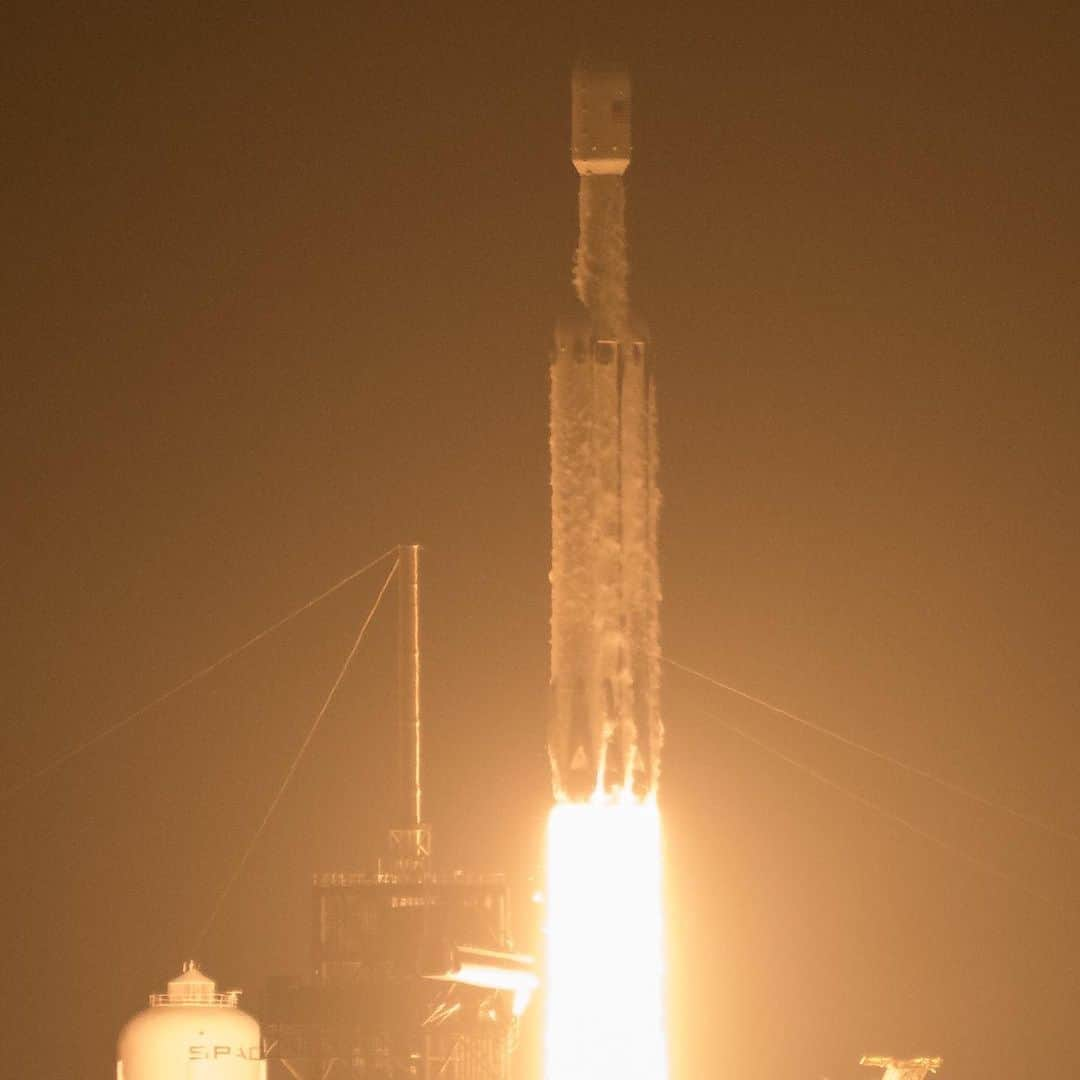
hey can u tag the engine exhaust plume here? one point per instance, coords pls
(604, 927)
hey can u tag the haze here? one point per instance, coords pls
(279, 294)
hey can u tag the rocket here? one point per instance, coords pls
(605, 729)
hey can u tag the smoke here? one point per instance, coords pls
(653, 596)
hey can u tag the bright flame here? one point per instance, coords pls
(604, 943)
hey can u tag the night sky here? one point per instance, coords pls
(279, 290)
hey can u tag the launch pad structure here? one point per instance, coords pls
(372, 1008)
(387, 995)
(897, 1069)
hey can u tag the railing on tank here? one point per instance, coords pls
(196, 997)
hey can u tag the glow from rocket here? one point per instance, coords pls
(604, 929)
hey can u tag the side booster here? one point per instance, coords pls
(605, 730)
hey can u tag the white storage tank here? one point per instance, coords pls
(191, 1032)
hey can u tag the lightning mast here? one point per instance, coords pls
(410, 838)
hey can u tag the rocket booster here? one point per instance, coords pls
(605, 729)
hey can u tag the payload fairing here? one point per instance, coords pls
(605, 730)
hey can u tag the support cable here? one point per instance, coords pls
(983, 864)
(239, 868)
(104, 733)
(923, 774)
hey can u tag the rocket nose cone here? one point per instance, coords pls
(600, 119)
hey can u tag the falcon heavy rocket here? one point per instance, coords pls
(605, 729)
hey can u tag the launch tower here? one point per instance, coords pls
(410, 974)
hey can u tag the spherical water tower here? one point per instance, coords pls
(191, 1032)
